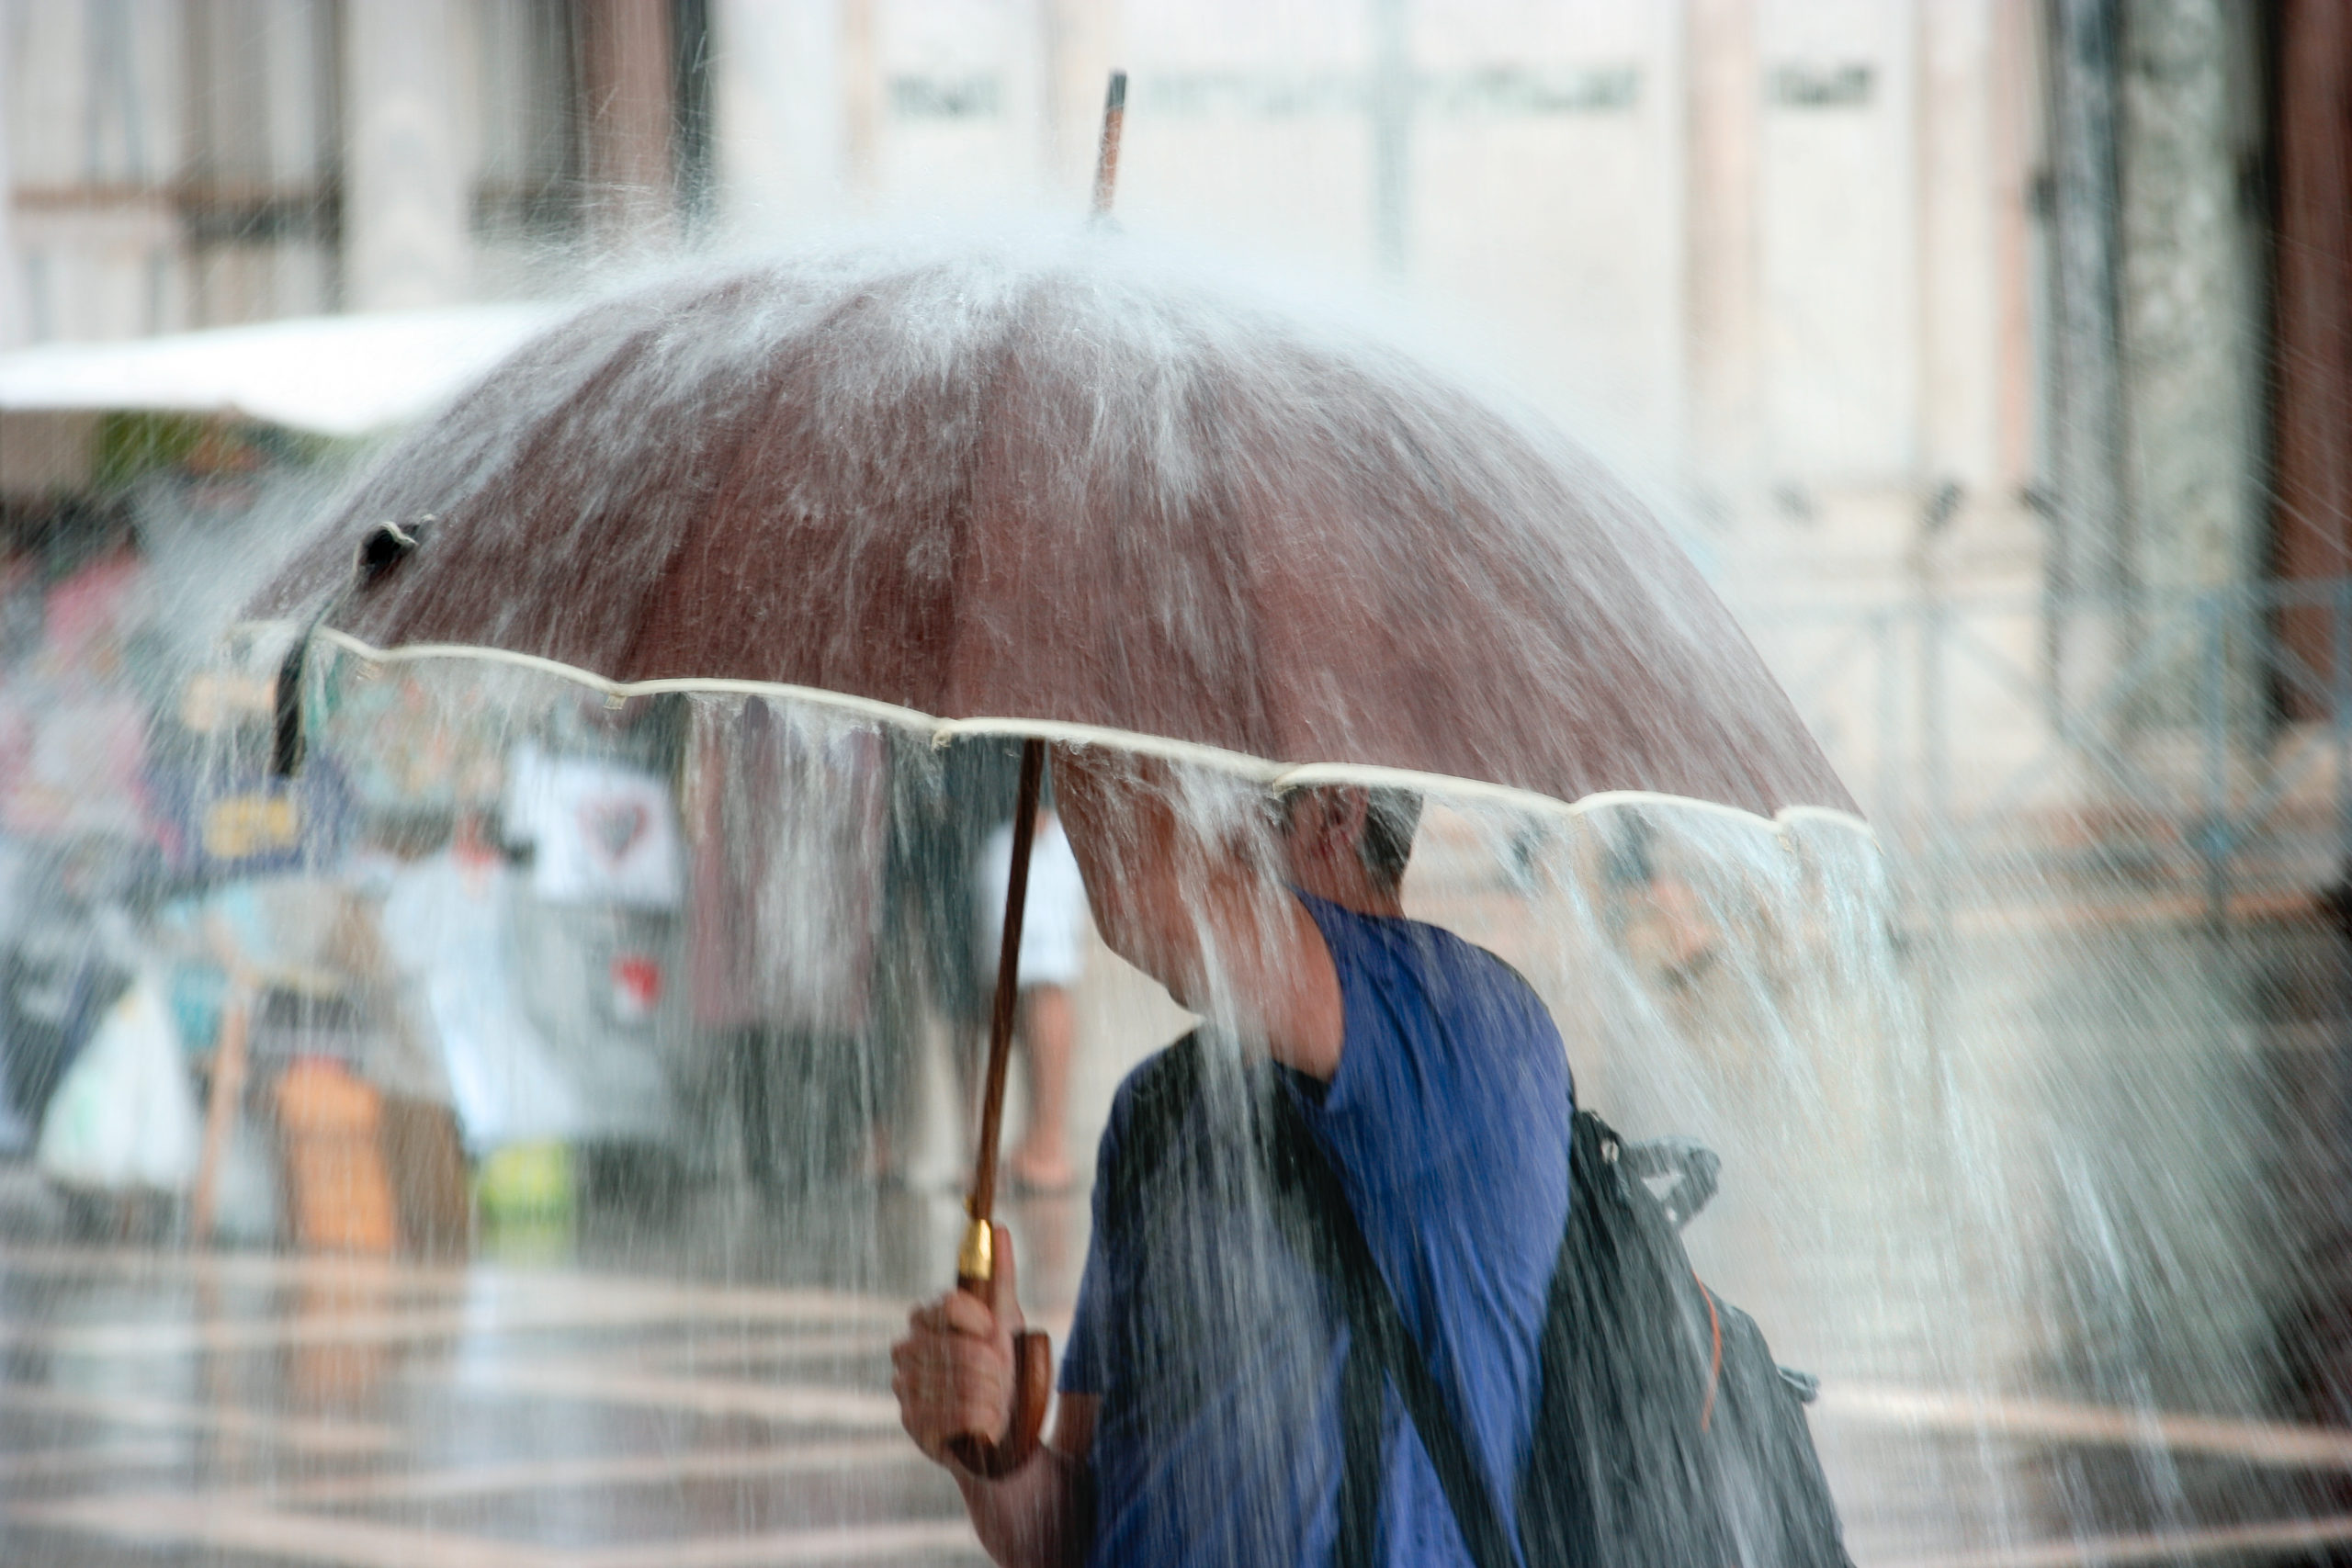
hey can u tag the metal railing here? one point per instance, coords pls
(2197, 738)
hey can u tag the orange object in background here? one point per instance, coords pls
(339, 1194)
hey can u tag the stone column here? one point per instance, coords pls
(1391, 136)
(2017, 150)
(2188, 281)
(1720, 305)
(2085, 413)
(2313, 326)
(859, 63)
(1079, 55)
(12, 319)
(777, 123)
(2155, 412)
(627, 91)
(405, 230)
(2089, 551)
(2189, 295)
(1959, 328)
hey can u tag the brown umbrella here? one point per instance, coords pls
(1064, 491)
(1050, 485)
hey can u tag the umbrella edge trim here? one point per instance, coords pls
(940, 731)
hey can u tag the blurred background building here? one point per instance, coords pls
(1977, 344)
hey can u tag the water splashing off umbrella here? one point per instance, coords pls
(1060, 491)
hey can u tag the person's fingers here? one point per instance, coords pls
(966, 1313)
(1004, 1284)
(957, 1311)
(948, 1389)
(932, 1313)
(920, 1421)
(942, 1354)
(952, 1372)
(935, 1412)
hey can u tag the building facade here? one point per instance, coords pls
(1886, 300)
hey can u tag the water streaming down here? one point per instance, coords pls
(1715, 975)
(912, 499)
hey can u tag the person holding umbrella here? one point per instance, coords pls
(1076, 497)
(1204, 1397)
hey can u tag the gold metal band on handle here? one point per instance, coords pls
(976, 1258)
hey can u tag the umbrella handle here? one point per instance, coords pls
(1033, 1360)
(972, 1262)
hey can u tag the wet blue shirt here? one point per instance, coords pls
(1448, 1122)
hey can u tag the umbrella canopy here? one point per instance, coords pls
(1067, 489)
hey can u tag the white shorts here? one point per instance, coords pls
(1052, 922)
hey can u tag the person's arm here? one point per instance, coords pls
(1209, 919)
(953, 1374)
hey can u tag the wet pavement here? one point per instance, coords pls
(162, 1408)
(2157, 1365)
(2146, 1338)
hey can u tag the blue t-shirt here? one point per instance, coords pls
(1214, 1354)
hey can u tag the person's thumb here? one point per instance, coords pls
(1004, 1284)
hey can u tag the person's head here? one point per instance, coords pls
(1349, 844)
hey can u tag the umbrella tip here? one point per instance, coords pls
(1107, 155)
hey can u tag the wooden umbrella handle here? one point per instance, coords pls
(995, 1454)
(1033, 1387)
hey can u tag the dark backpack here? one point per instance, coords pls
(1666, 1436)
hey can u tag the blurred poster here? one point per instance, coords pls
(79, 759)
(244, 823)
(600, 832)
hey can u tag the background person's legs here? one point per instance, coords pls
(1049, 1036)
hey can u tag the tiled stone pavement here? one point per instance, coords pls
(162, 1408)
(165, 1409)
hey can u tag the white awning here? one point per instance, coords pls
(329, 375)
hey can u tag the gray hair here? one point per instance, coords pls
(1388, 828)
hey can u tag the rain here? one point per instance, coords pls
(671, 674)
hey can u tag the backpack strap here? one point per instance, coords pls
(1333, 1240)
(1160, 1098)
(1315, 1214)
(1163, 1095)
(1363, 1453)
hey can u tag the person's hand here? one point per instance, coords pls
(952, 1372)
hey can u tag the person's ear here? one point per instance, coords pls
(1316, 823)
(1351, 814)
